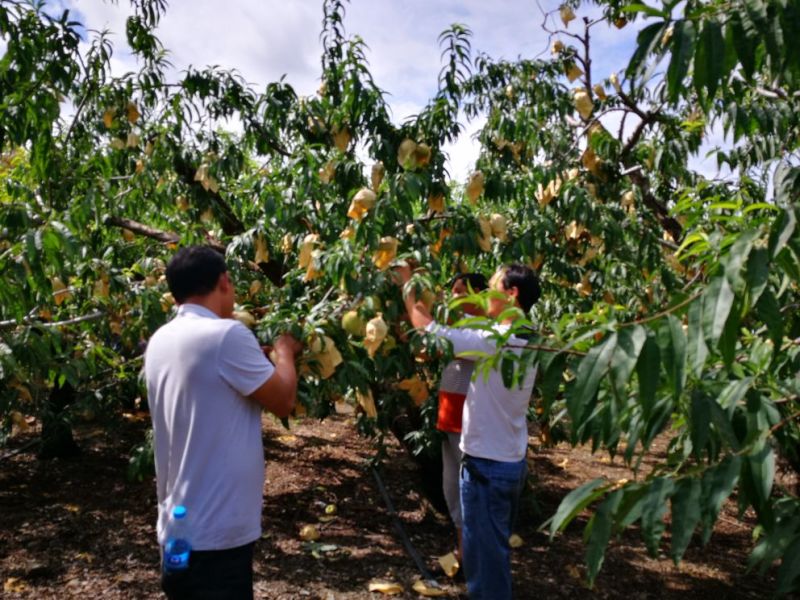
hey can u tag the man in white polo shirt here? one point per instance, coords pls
(207, 381)
(494, 434)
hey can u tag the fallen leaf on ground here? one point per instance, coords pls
(85, 556)
(14, 585)
(573, 572)
(449, 564)
(385, 587)
(343, 408)
(515, 541)
(423, 589)
(309, 533)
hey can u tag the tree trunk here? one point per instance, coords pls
(57, 439)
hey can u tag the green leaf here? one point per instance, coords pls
(682, 45)
(574, 502)
(629, 345)
(654, 508)
(769, 311)
(757, 12)
(644, 8)
(699, 422)
(722, 422)
(717, 302)
(760, 469)
(789, 573)
(697, 350)
(782, 231)
(760, 206)
(709, 59)
(672, 342)
(737, 257)
(599, 529)
(778, 538)
(630, 509)
(745, 40)
(786, 182)
(718, 483)
(730, 335)
(648, 373)
(685, 515)
(550, 381)
(757, 273)
(733, 393)
(697, 238)
(647, 41)
(591, 370)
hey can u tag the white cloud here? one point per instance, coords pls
(464, 151)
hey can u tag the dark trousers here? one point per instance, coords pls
(213, 575)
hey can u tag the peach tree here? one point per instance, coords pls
(669, 299)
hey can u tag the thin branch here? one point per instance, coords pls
(628, 101)
(784, 422)
(772, 93)
(622, 125)
(693, 280)
(587, 60)
(637, 133)
(273, 269)
(663, 313)
(231, 224)
(669, 223)
(547, 349)
(166, 237)
(74, 321)
(75, 118)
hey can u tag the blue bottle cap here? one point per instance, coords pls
(179, 512)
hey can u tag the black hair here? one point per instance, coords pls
(477, 281)
(525, 280)
(194, 271)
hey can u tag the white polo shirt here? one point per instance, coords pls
(495, 422)
(209, 456)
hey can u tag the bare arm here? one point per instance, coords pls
(418, 313)
(278, 393)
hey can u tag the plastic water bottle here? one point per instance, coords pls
(177, 548)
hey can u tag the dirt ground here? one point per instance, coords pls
(79, 529)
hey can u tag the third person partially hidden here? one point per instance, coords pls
(452, 393)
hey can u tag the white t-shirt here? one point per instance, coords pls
(456, 376)
(209, 455)
(495, 417)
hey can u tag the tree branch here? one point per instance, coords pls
(74, 321)
(668, 222)
(231, 224)
(637, 133)
(166, 237)
(272, 269)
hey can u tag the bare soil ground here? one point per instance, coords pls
(78, 529)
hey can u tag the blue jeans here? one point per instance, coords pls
(490, 492)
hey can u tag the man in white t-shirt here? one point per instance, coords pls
(207, 381)
(494, 434)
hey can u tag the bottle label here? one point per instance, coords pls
(176, 556)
